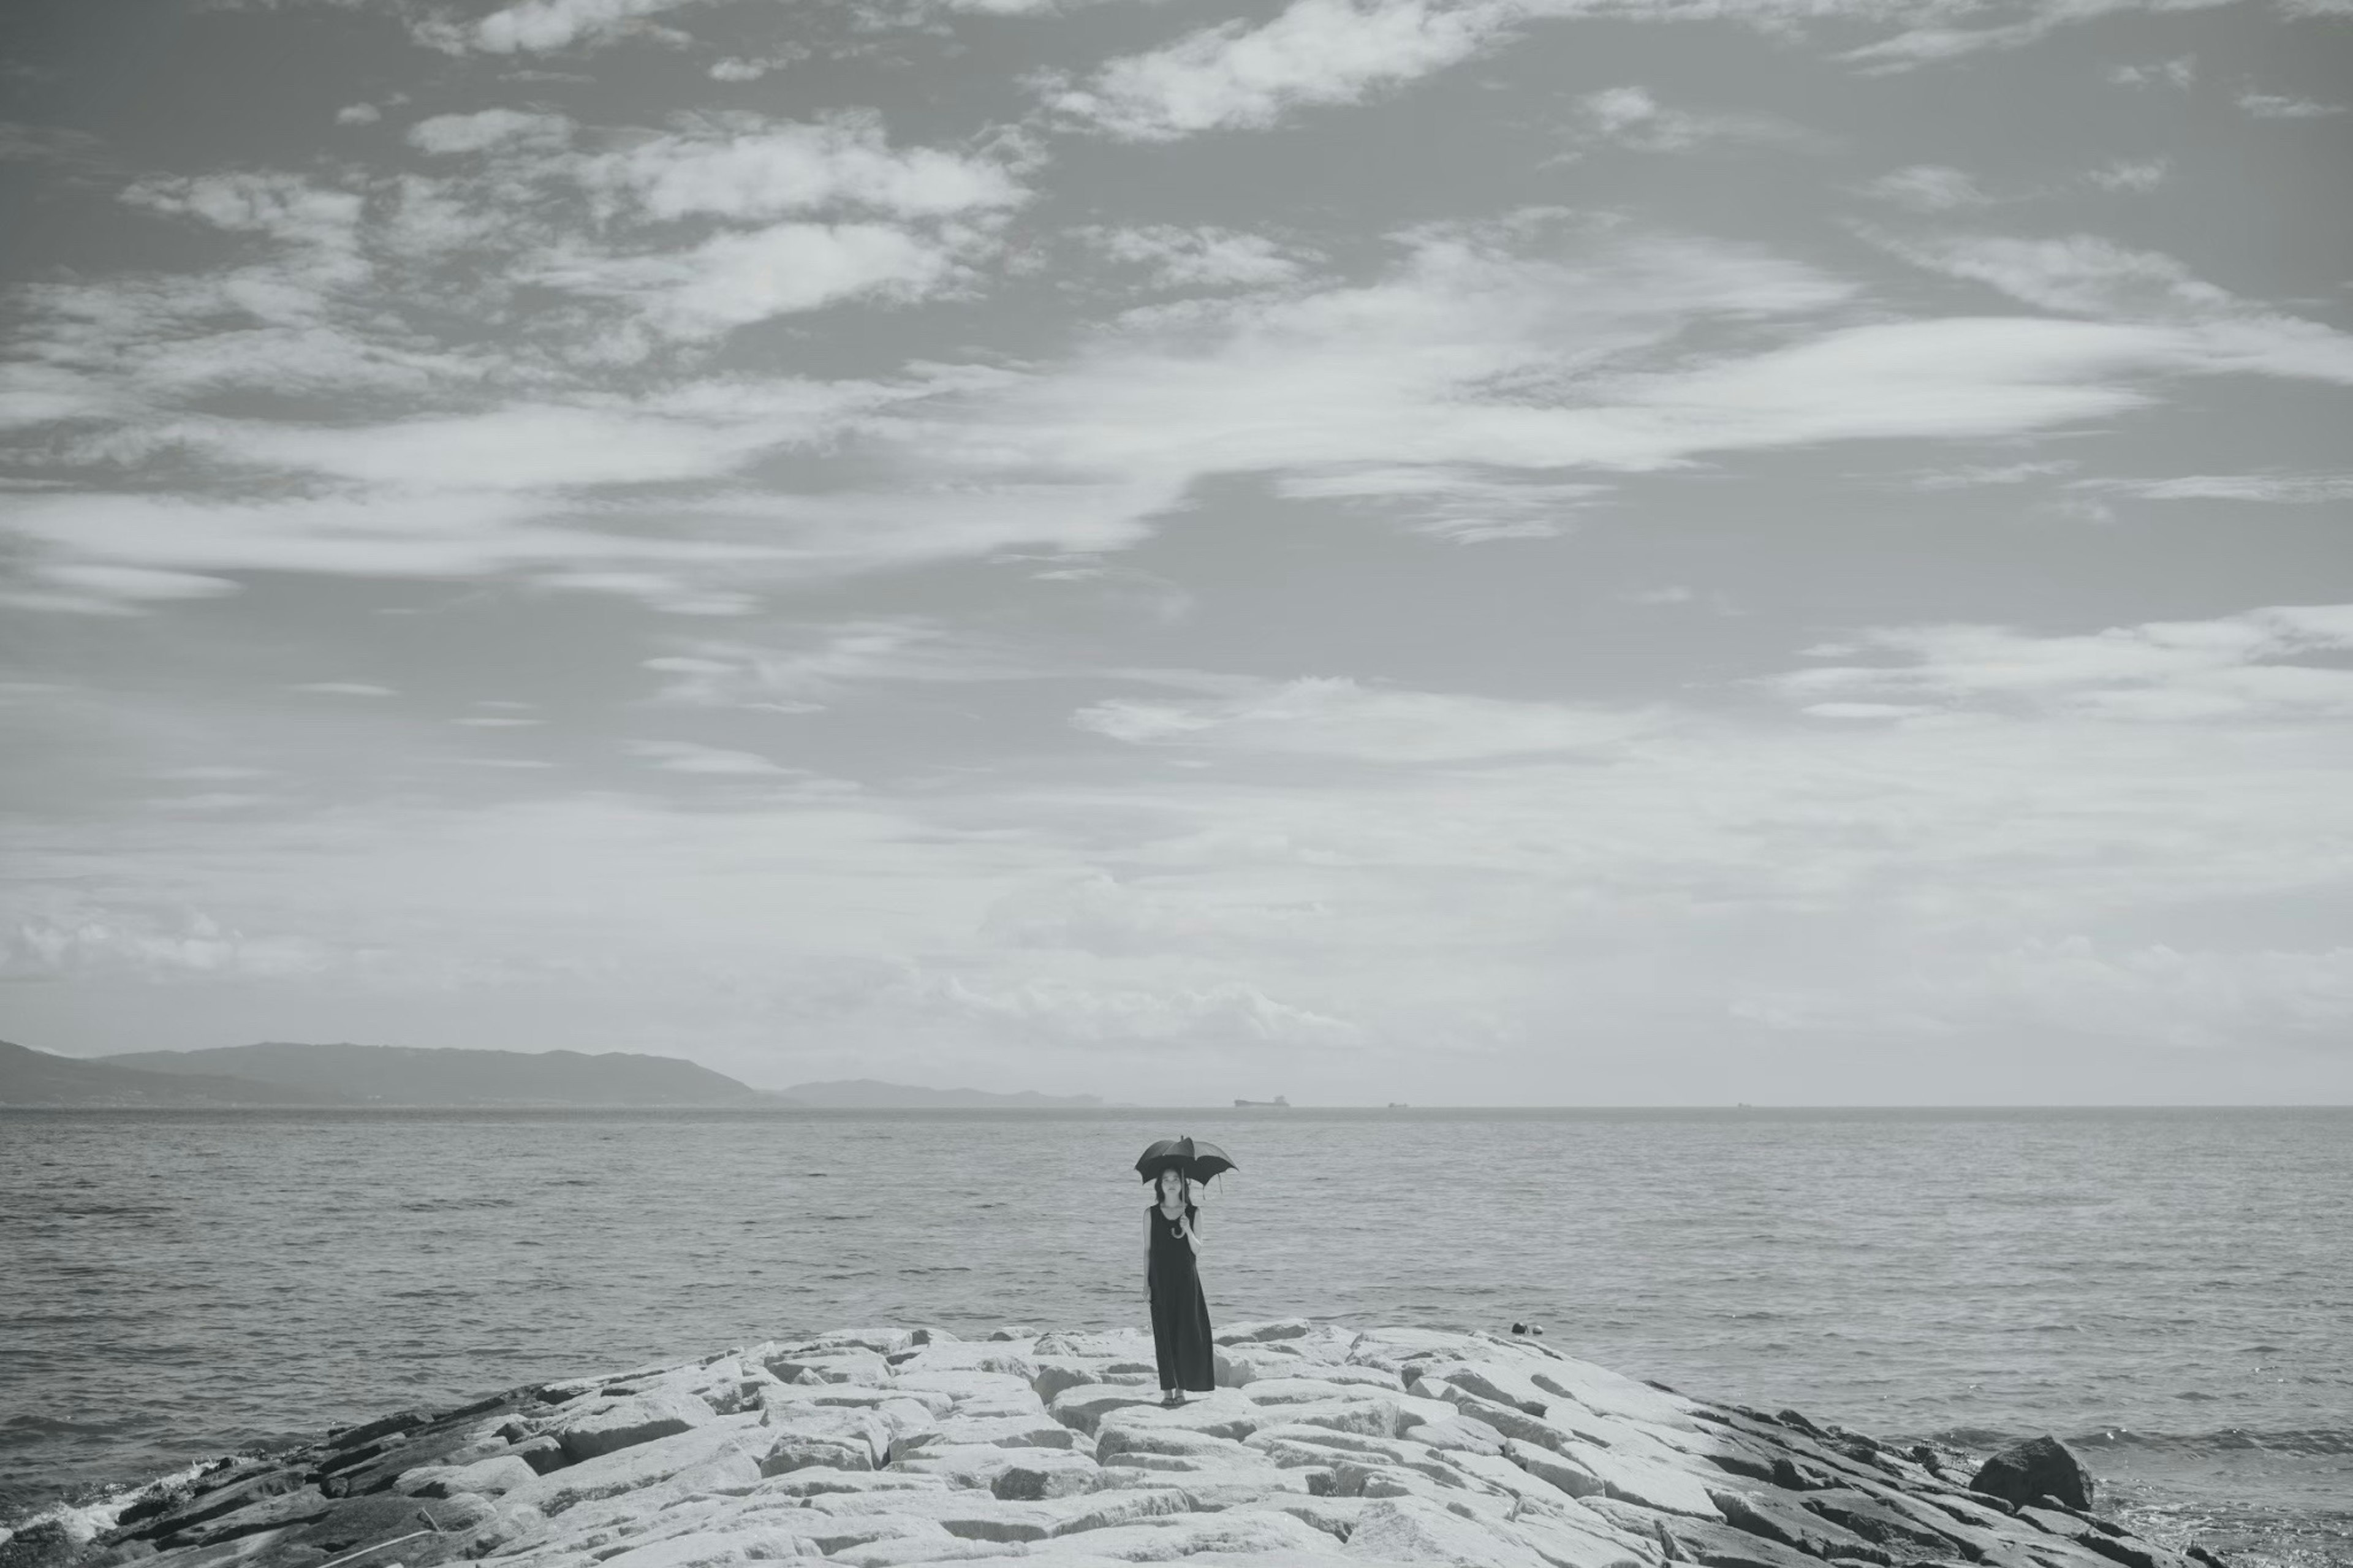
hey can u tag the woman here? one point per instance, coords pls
(1180, 1314)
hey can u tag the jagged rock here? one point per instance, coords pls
(493, 1477)
(1045, 1473)
(626, 1422)
(1883, 1521)
(1780, 1519)
(2038, 1467)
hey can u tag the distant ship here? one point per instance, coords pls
(1277, 1100)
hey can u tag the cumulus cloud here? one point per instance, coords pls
(1315, 52)
(539, 27)
(480, 131)
(2131, 174)
(766, 171)
(2180, 72)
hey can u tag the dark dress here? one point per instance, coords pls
(1180, 1314)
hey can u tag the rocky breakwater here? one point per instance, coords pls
(1323, 1447)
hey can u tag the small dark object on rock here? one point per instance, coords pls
(2199, 1554)
(1519, 1328)
(2025, 1471)
(1925, 1457)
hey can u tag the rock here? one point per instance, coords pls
(1414, 1529)
(1465, 1433)
(1083, 1408)
(2038, 1467)
(542, 1453)
(1556, 1469)
(1045, 1473)
(644, 1465)
(1780, 1519)
(1006, 1431)
(623, 1423)
(1277, 1329)
(837, 1438)
(1882, 1520)
(486, 1478)
(885, 1452)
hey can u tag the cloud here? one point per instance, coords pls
(2210, 330)
(1198, 258)
(773, 170)
(539, 27)
(1315, 52)
(446, 135)
(1337, 717)
(2291, 488)
(687, 757)
(358, 114)
(2272, 106)
(746, 68)
(1463, 504)
(822, 663)
(2179, 72)
(2250, 666)
(117, 945)
(1934, 41)
(2131, 174)
(1970, 476)
(1928, 187)
(733, 280)
(1226, 1013)
(23, 144)
(2076, 987)
(1630, 117)
(521, 446)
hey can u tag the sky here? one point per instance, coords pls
(1583, 552)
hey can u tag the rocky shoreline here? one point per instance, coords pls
(1322, 1446)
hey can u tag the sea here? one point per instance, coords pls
(2170, 1291)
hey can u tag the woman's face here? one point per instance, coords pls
(1172, 1184)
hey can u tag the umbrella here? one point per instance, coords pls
(1190, 1156)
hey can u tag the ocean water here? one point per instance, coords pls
(2171, 1291)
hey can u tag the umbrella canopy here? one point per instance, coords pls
(1190, 1156)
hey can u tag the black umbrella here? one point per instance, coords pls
(1190, 1156)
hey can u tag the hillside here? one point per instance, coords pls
(30, 1078)
(419, 1076)
(866, 1093)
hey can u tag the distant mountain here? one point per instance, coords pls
(872, 1094)
(419, 1076)
(30, 1078)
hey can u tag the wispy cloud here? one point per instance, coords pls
(1337, 717)
(1928, 187)
(2258, 664)
(2275, 106)
(2301, 490)
(1315, 52)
